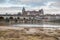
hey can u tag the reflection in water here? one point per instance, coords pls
(28, 25)
(51, 24)
(45, 24)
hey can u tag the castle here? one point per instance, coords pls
(24, 17)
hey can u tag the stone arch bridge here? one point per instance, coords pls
(19, 19)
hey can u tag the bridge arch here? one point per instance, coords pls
(18, 18)
(1, 18)
(11, 18)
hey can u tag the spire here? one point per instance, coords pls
(23, 10)
(41, 11)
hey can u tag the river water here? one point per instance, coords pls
(45, 24)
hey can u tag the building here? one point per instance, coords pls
(51, 17)
(24, 17)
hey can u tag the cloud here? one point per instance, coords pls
(56, 4)
(2, 1)
(49, 6)
(28, 2)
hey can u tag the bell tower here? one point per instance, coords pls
(23, 10)
(41, 11)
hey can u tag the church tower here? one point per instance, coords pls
(41, 11)
(23, 11)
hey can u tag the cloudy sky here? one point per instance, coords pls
(14, 6)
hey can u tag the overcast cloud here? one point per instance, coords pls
(49, 6)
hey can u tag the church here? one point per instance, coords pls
(23, 17)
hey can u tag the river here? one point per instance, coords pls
(44, 24)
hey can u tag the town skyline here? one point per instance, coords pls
(16, 10)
